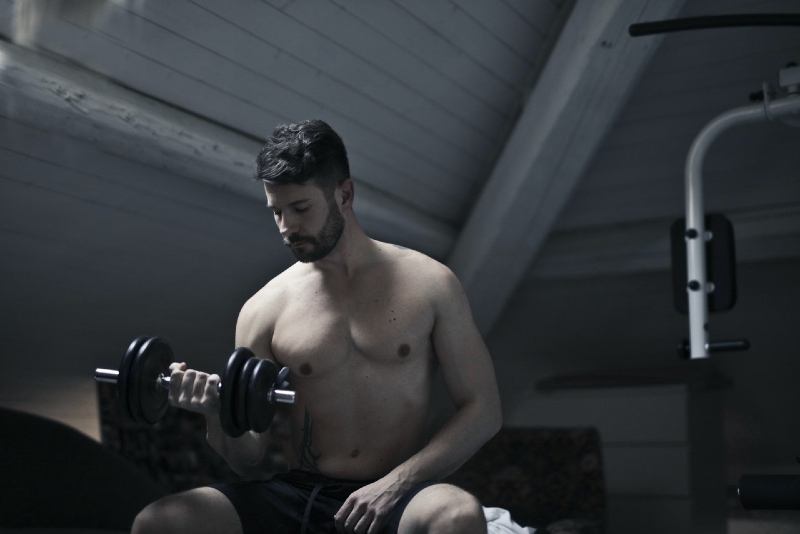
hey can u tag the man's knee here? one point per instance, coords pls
(443, 509)
(171, 514)
(147, 521)
(465, 515)
(197, 511)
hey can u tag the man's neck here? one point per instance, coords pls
(353, 250)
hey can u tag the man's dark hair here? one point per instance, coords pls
(297, 153)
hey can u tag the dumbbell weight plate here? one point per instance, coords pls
(148, 403)
(240, 407)
(124, 378)
(260, 412)
(227, 393)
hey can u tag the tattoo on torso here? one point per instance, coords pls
(308, 460)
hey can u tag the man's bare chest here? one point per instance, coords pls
(317, 333)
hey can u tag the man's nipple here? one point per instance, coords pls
(404, 350)
(305, 369)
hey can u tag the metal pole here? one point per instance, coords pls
(698, 286)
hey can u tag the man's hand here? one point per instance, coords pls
(365, 511)
(192, 390)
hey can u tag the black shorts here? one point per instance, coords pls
(300, 502)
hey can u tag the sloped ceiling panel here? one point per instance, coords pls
(618, 219)
(423, 93)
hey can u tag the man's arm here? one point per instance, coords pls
(470, 380)
(197, 391)
(469, 376)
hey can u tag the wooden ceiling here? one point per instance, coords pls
(128, 130)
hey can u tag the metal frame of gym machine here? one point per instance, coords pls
(756, 492)
(785, 109)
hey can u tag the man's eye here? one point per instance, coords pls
(301, 210)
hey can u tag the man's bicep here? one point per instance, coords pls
(253, 331)
(463, 356)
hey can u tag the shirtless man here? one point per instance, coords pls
(363, 326)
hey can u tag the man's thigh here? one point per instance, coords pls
(443, 508)
(196, 511)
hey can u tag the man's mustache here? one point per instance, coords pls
(295, 240)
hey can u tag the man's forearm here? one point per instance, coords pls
(243, 454)
(455, 443)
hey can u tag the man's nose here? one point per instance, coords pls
(288, 225)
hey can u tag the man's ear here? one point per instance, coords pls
(347, 190)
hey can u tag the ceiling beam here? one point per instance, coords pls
(588, 78)
(48, 93)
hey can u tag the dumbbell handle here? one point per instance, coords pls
(110, 376)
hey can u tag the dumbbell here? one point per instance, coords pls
(248, 392)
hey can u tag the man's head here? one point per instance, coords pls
(302, 166)
(310, 223)
(297, 153)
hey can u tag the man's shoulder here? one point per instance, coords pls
(270, 295)
(404, 256)
(421, 267)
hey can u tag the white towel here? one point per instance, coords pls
(498, 521)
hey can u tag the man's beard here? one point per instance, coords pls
(318, 246)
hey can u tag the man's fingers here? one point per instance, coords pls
(198, 391)
(364, 512)
(377, 523)
(211, 394)
(348, 515)
(360, 519)
(353, 520)
(175, 383)
(187, 387)
(212, 386)
(193, 390)
(364, 523)
(342, 515)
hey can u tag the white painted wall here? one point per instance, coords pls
(557, 326)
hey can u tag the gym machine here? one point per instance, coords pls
(703, 275)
